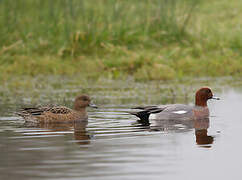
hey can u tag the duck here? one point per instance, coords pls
(179, 112)
(58, 114)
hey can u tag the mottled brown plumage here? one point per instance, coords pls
(54, 113)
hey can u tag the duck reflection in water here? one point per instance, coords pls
(201, 132)
(172, 116)
(80, 133)
(60, 118)
(200, 125)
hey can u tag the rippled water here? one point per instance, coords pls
(113, 145)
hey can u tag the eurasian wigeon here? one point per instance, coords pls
(54, 113)
(178, 111)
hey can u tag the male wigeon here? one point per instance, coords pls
(178, 111)
(54, 113)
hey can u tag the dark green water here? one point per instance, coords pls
(114, 146)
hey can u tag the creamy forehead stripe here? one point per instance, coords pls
(179, 112)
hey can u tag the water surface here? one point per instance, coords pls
(113, 145)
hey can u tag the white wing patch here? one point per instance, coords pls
(179, 112)
(152, 116)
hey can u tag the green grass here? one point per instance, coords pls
(114, 39)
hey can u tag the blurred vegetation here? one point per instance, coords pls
(114, 39)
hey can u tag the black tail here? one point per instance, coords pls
(143, 115)
(146, 111)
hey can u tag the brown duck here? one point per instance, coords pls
(58, 114)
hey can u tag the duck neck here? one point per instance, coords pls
(80, 109)
(200, 101)
(81, 113)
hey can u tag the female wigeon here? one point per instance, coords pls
(54, 113)
(178, 111)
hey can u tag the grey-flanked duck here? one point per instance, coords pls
(178, 111)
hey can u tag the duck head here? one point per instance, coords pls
(83, 101)
(203, 95)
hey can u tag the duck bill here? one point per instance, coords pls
(216, 98)
(92, 105)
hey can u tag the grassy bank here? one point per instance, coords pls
(145, 39)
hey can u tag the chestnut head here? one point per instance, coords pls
(204, 94)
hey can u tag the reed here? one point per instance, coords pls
(144, 39)
(75, 26)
